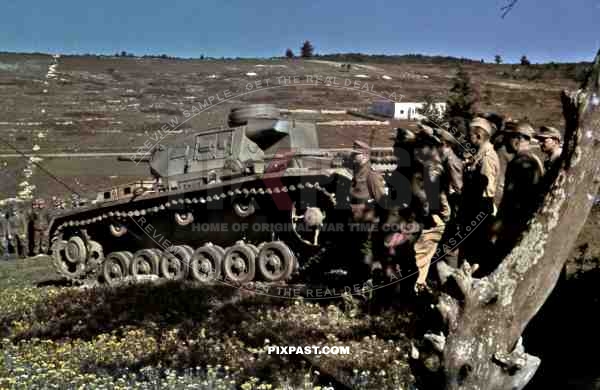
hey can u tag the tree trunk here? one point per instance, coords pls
(486, 317)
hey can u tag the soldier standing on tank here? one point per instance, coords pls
(41, 221)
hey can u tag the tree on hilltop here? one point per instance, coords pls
(307, 50)
(464, 97)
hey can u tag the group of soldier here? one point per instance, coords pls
(18, 224)
(469, 197)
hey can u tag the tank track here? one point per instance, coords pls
(81, 259)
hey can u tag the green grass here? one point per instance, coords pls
(183, 335)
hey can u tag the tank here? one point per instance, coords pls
(241, 203)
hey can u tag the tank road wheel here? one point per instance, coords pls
(238, 263)
(62, 265)
(76, 251)
(95, 255)
(145, 262)
(244, 207)
(188, 249)
(275, 261)
(254, 248)
(116, 267)
(117, 229)
(184, 219)
(206, 263)
(174, 264)
(311, 221)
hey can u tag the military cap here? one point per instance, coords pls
(522, 128)
(548, 132)
(482, 123)
(361, 147)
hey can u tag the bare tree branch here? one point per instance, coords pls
(508, 7)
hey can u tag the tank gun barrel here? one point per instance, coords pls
(136, 158)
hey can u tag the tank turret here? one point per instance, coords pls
(253, 133)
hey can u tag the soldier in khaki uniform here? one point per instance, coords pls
(550, 140)
(479, 190)
(521, 187)
(41, 221)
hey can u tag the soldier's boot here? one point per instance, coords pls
(36, 242)
(4, 248)
(42, 244)
(24, 246)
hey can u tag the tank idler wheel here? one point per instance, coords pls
(63, 266)
(184, 219)
(116, 267)
(76, 251)
(239, 263)
(206, 263)
(276, 261)
(145, 262)
(117, 230)
(174, 264)
(244, 207)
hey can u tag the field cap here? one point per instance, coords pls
(482, 123)
(548, 132)
(522, 128)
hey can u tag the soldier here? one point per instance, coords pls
(4, 230)
(550, 140)
(41, 221)
(479, 189)
(521, 187)
(451, 190)
(399, 229)
(368, 188)
(419, 225)
(452, 174)
(17, 236)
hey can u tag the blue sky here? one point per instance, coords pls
(549, 30)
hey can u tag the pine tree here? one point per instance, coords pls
(430, 111)
(289, 53)
(307, 49)
(463, 99)
(497, 59)
(525, 61)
